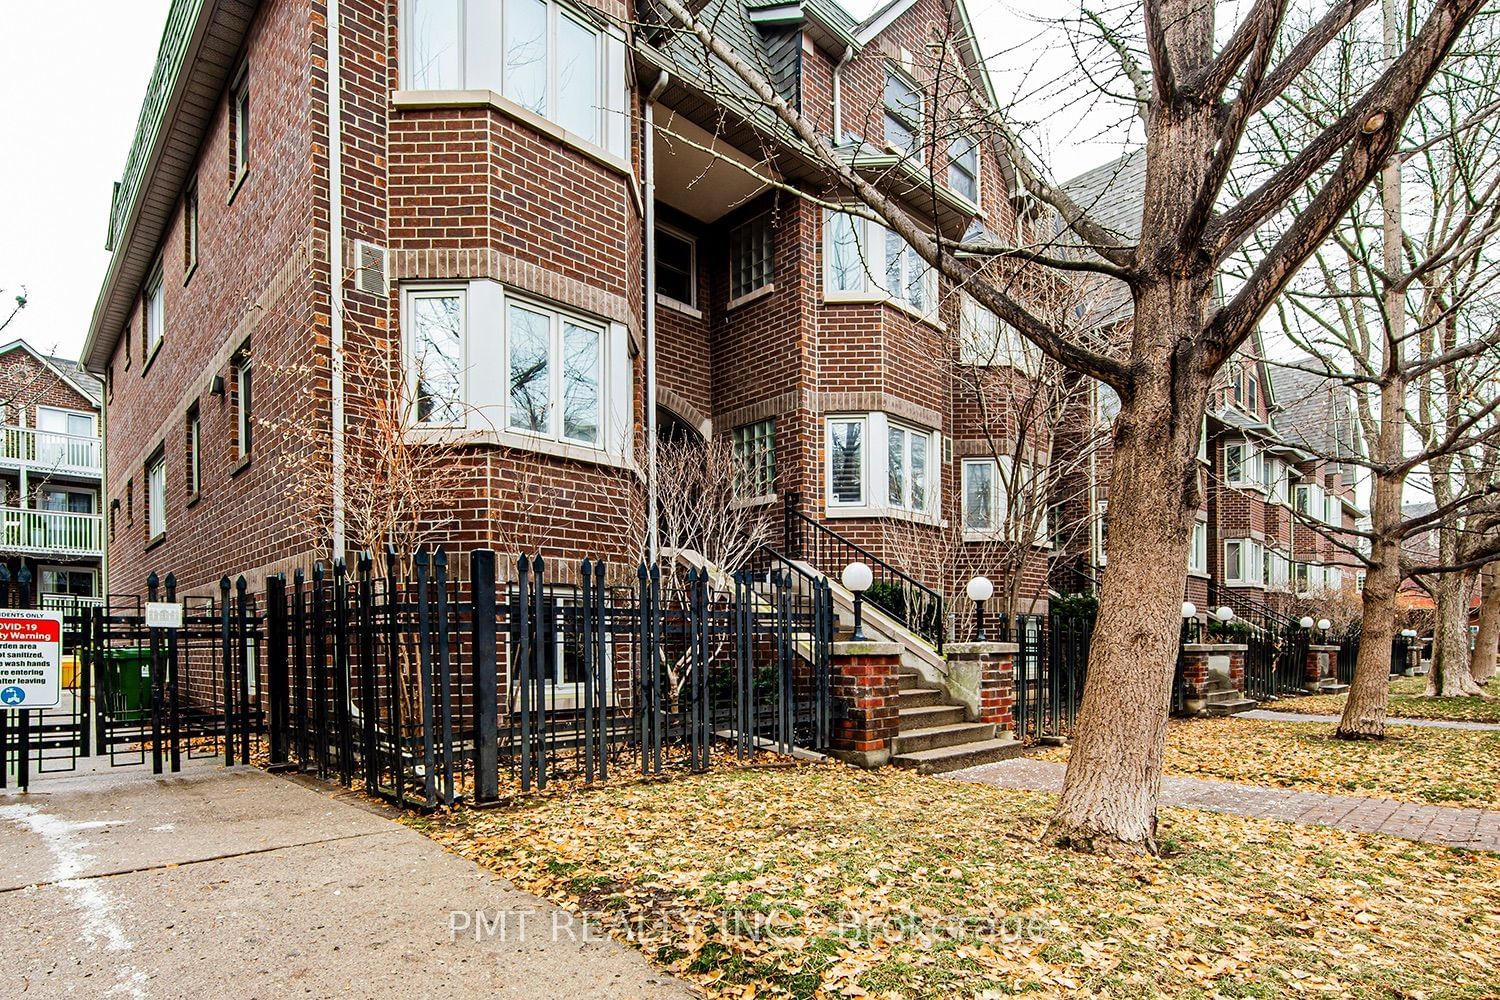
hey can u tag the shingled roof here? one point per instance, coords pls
(1315, 412)
(1112, 195)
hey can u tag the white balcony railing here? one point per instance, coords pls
(50, 451)
(69, 602)
(51, 532)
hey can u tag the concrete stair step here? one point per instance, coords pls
(927, 716)
(951, 758)
(1231, 707)
(918, 697)
(1219, 697)
(933, 737)
(1332, 687)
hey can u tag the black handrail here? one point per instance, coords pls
(915, 605)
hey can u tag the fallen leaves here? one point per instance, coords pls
(1408, 702)
(823, 881)
(1416, 764)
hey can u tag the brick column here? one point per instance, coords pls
(866, 701)
(1322, 664)
(982, 676)
(1195, 675)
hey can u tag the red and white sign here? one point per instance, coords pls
(30, 659)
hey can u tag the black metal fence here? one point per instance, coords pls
(1276, 653)
(428, 688)
(1050, 669)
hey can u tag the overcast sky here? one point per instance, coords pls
(73, 74)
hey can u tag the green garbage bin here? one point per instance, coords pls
(125, 678)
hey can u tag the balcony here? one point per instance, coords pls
(51, 533)
(50, 452)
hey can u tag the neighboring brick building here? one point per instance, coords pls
(486, 207)
(50, 466)
(1278, 505)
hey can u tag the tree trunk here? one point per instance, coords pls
(1450, 676)
(1487, 643)
(1109, 796)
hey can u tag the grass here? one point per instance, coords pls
(825, 881)
(1408, 702)
(1450, 767)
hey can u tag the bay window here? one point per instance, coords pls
(1242, 464)
(846, 461)
(1244, 562)
(907, 469)
(880, 466)
(547, 58)
(986, 339)
(480, 358)
(991, 486)
(979, 496)
(863, 260)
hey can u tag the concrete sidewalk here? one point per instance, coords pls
(236, 883)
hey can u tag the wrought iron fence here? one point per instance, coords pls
(1051, 667)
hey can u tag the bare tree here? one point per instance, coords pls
(20, 303)
(705, 503)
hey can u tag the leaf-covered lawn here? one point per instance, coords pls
(1438, 766)
(825, 881)
(1407, 702)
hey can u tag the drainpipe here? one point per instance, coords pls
(838, 95)
(335, 274)
(653, 540)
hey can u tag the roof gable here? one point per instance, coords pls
(66, 370)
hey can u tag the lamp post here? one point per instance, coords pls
(1323, 626)
(1306, 622)
(857, 579)
(1189, 614)
(980, 590)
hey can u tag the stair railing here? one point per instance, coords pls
(920, 609)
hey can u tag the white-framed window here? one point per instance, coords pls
(437, 354)
(1333, 510)
(555, 365)
(534, 374)
(1246, 388)
(908, 468)
(1277, 572)
(862, 259)
(156, 496)
(755, 450)
(676, 265)
(981, 497)
(752, 256)
(240, 122)
(1275, 477)
(1101, 532)
(1106, 402)
(194, 450)
(1202, 439)
(71, 581)
(963, 168)
(244, 402)
(1244, 562)
(999, 496)
(155, 313)
(1198, 552)
(546, 57)
(903, 112)
(1333, 577)
(986, 339)
(846, 461)
(1242, 464)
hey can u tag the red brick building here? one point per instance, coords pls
(50, 466)
(550, 214)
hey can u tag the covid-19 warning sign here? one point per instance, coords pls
(30, 659)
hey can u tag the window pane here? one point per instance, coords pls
(578, 78)
(893, 260)
(526, 53)
(846, 269)
(674, 267)
(916, 276)
(846, 460)
(903, 111)
(158, 498)
(919, 471)
(530, 369)
(979, 492)
(431, 51)
(437, 355)
(896, 467)
(750, 253)
(1232, 561)
(581, 356)
(963, 168)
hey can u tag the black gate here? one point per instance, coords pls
(1050, 669)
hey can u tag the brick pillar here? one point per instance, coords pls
(982, 676)
(866, 701)
(1195, 675)
(1322, 664)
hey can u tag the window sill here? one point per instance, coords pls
(749, 297)
(423, 100)
(880, 298)
(883, 513)
(239, 182)
(676, 306)
(188, 274)
(240, 466)
(762, 500)
(488, 437)
(976, 537)
(1199, 574)
(193, 499)
(155, 540)
(150, 358)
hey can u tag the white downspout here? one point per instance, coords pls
(335, 273)
(838, 95)
(648, 154)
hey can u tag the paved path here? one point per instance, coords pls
(1271, 715)
(1477, 829)
(237, 883)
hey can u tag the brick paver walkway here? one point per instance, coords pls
(1271, 715)
(1477, 829)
